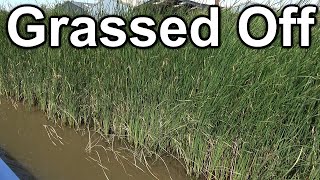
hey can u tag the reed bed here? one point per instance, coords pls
(227, 113)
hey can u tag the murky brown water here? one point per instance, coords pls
(29, 138)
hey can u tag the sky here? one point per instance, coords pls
(225, 3)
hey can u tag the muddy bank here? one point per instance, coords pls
(46, 151)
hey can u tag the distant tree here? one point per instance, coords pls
(68, 8)
(3, 11)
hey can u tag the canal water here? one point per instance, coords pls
(51, 152)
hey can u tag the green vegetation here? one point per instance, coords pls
(227, 113)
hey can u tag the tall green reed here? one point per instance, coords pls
(228, 113)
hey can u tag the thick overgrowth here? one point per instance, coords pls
(229, 113)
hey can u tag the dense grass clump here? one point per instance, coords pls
(228, 113)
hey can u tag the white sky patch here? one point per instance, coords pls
(230, 3)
